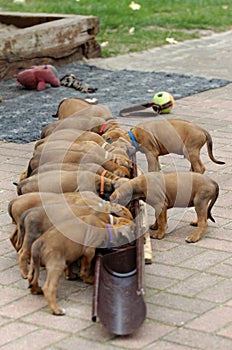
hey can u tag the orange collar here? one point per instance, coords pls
(102, 182)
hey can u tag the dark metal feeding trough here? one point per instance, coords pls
(118, 297)
(28, 39)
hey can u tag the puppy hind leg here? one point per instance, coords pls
(23, 258)
(86, 265)
(196, 164)
(54, 272)
(34, 271)
(161, 223)
(201, 210)
(14, 237)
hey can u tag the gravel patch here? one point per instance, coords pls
(23, 112)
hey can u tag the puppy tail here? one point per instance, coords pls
(21, 231)
(210, 149)
(33, 274)
(9, 208)
(213, 200)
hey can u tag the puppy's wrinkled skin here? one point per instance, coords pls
(165, 191)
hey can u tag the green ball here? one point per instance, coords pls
(163, 97)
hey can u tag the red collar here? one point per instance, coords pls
(101, 132)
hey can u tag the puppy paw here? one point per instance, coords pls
(193, 223)
(23, 274)
(89, 280)
(35, 290)
(157, 235)
(153, 227)
(59, 312)
(192, 239)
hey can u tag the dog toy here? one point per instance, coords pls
(165, 100)
(37, 77)
(162, 103)
(70, 80)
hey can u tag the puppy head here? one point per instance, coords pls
(123, 161)
(113, 134)
(124, 232)
(122, 172)
(120, 211)
(123, 193)
(126, 145)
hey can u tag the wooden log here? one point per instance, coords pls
(56, 42)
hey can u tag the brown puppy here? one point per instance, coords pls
(114, 133)
(60, 181)
(72, 106)
(165, 191)
(95, 168)
(160, 137)
(119, 165)
(20, 204)
(104, 149)
(105, 127)
(35, 221)
(57, 251)
(124, 144)
(81, 123)
(73, 136)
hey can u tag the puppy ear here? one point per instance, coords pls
(117, 183)
(131, 150)
(127, 233)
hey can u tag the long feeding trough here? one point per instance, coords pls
(28, 39)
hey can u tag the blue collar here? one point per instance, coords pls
(135, 143)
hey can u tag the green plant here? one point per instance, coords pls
(126, 30)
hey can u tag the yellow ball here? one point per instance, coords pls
(163, 97)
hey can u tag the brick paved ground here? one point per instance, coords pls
(188, 287)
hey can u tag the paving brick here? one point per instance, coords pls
(177, 254)
(23, 306)
(75, 342)
(170, 316)
(223, 269)
(147, 333)
(205, 260)
(199, 340)
(64, 324)
(9, 294)
(195, 284)
(164, 345)
(179, 302)
(40, 339)
(97, 332)
(213, 320)
(219, 293)
(159, 283)
(12, 331)
(217, 244)
(168, 271)
(226, 332)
